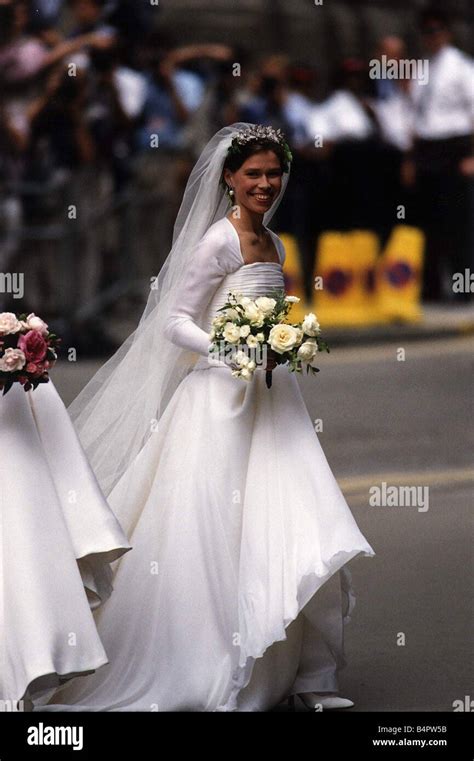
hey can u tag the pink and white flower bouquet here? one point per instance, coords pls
(27, 351)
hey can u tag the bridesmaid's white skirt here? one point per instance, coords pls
(58, 537)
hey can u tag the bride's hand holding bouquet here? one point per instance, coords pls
(252, 332)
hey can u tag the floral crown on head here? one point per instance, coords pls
(258, 133)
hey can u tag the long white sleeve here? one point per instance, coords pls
(200, 281)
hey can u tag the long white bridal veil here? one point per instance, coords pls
(120, 407)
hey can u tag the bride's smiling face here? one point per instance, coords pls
(257, 182)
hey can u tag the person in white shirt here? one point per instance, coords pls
(348, 129)
(390, 99)
(391, 105)
(443, 161)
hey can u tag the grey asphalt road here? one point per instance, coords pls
(400, 415)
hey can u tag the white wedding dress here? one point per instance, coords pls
(58, 537)
(236, 590)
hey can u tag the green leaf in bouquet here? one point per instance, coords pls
(7, 387)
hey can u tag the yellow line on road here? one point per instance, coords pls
(424, 478)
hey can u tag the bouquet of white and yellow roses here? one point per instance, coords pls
(247, 330)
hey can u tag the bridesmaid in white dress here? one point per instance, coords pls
(58, 537)
(237, 590)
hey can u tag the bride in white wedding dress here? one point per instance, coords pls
(236, 591)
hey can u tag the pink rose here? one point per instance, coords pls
(33, 346)
(36, 370)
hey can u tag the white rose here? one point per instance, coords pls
(260, 337)
(220, 321)
(231, 314)
(246, 374)
(307, 350)
(245, 301)
(292, 299)
(231, 333)
(12, 360)
(244, 331)
(311, 325)
(265, 304)
(36, 323)
(252, 341)
(9, 323)
(283, 338)
(254, 315)
(241, 359)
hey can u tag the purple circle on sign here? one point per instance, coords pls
(337, 281)
(399, 274)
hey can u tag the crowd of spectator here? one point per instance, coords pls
(112, 114)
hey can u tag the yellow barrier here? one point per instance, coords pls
(293, 274)
(353, 285)
(346, 264)
(399, 275)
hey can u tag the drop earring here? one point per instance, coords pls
(230, 192)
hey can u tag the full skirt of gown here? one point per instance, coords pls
(237, 589)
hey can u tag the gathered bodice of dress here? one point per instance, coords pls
(252, 280)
